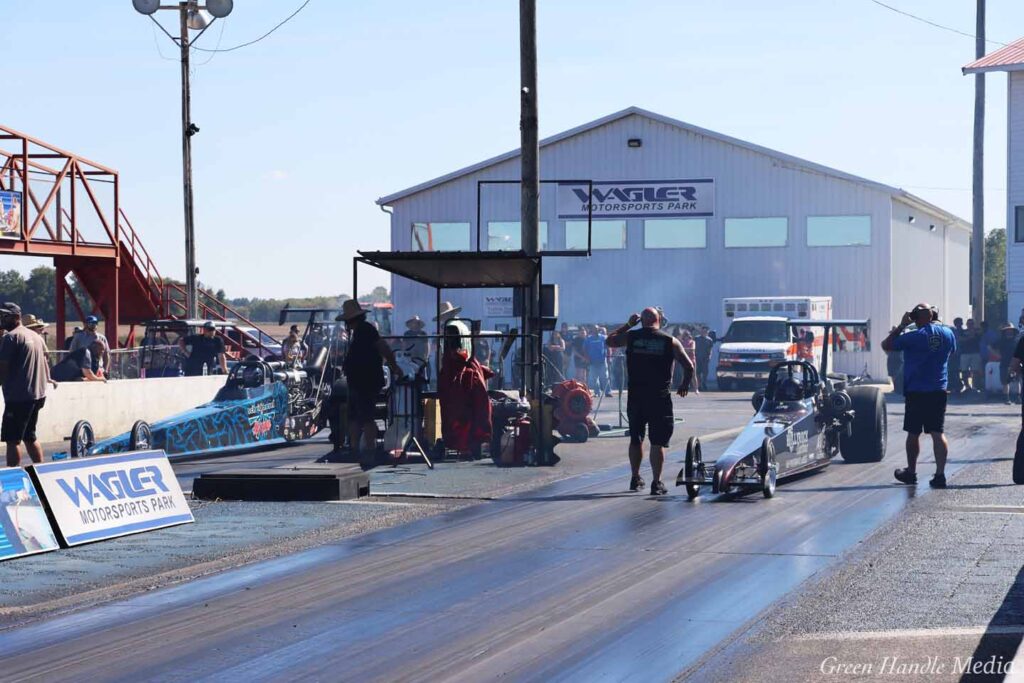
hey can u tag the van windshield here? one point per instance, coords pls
(757, 331)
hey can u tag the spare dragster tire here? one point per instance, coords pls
(867, 439)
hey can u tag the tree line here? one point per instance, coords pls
(37, 294)
(267, 310)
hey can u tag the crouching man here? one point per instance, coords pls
(649, 356)
(926, 352)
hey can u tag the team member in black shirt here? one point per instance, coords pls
(207, 351)
(78, 366)
(364, 370)
(649, 356)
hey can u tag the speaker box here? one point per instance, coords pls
(548, 301)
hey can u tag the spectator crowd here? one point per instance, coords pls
(982, 363)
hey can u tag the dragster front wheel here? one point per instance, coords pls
(767, 468)
(82, 439)
(141, 437)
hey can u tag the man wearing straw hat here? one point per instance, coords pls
(37, 325)
(363, 367)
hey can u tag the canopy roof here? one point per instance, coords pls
(457, 269)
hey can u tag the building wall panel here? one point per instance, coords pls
(928, 265)
(689, 283)
(1015, 191)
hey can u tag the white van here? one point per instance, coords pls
(757, 336)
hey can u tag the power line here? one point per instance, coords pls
(932, 23)
(213, 52)
(252, 42)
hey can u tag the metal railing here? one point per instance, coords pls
(213, 308)
(137, 363)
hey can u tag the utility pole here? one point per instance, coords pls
(529, 200)
(191, 15)
(978, 217)
(187, 130)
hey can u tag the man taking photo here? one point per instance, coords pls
(926, 352)
(649, 356)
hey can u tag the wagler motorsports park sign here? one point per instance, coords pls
(637, 199)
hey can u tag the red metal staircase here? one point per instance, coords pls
(76, 203)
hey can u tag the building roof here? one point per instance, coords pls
(1009, 58)
(637, 111)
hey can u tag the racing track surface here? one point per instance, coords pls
(577, 580)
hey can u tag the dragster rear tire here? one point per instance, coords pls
(693, 466)
(141, 436)
(868, 432)
(83, 438)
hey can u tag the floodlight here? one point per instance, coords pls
(146, 6)
(198, 19)
(219, 8)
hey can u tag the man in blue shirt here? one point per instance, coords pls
(926, 352)
(597, 360)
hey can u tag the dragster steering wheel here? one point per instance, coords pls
(787, 369)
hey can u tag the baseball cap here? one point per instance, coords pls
(91, 319)
(208, 325)
(10, 308)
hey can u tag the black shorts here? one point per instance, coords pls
(19, 421)
(925, 411)
(362, 403)
(1004, 373)
(654, 411)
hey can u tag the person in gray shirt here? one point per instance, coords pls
(25, 374)
(84, 339)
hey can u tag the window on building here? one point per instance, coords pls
(675, 233)
(508, 236)
(604, 235)
(838, 231)
(440, 236)
(756, 232)
(1018, 230)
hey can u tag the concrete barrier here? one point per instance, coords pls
(113, 407)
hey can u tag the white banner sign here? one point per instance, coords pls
(498, 306)
(637, 199)
(113, 495)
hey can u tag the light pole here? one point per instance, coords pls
(191, 16)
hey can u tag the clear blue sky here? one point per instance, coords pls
(353, 100)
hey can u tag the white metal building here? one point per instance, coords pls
(1011, 60)
(683, 217)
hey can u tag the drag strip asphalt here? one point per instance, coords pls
(577, 580)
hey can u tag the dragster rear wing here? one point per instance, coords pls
(829, 326)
